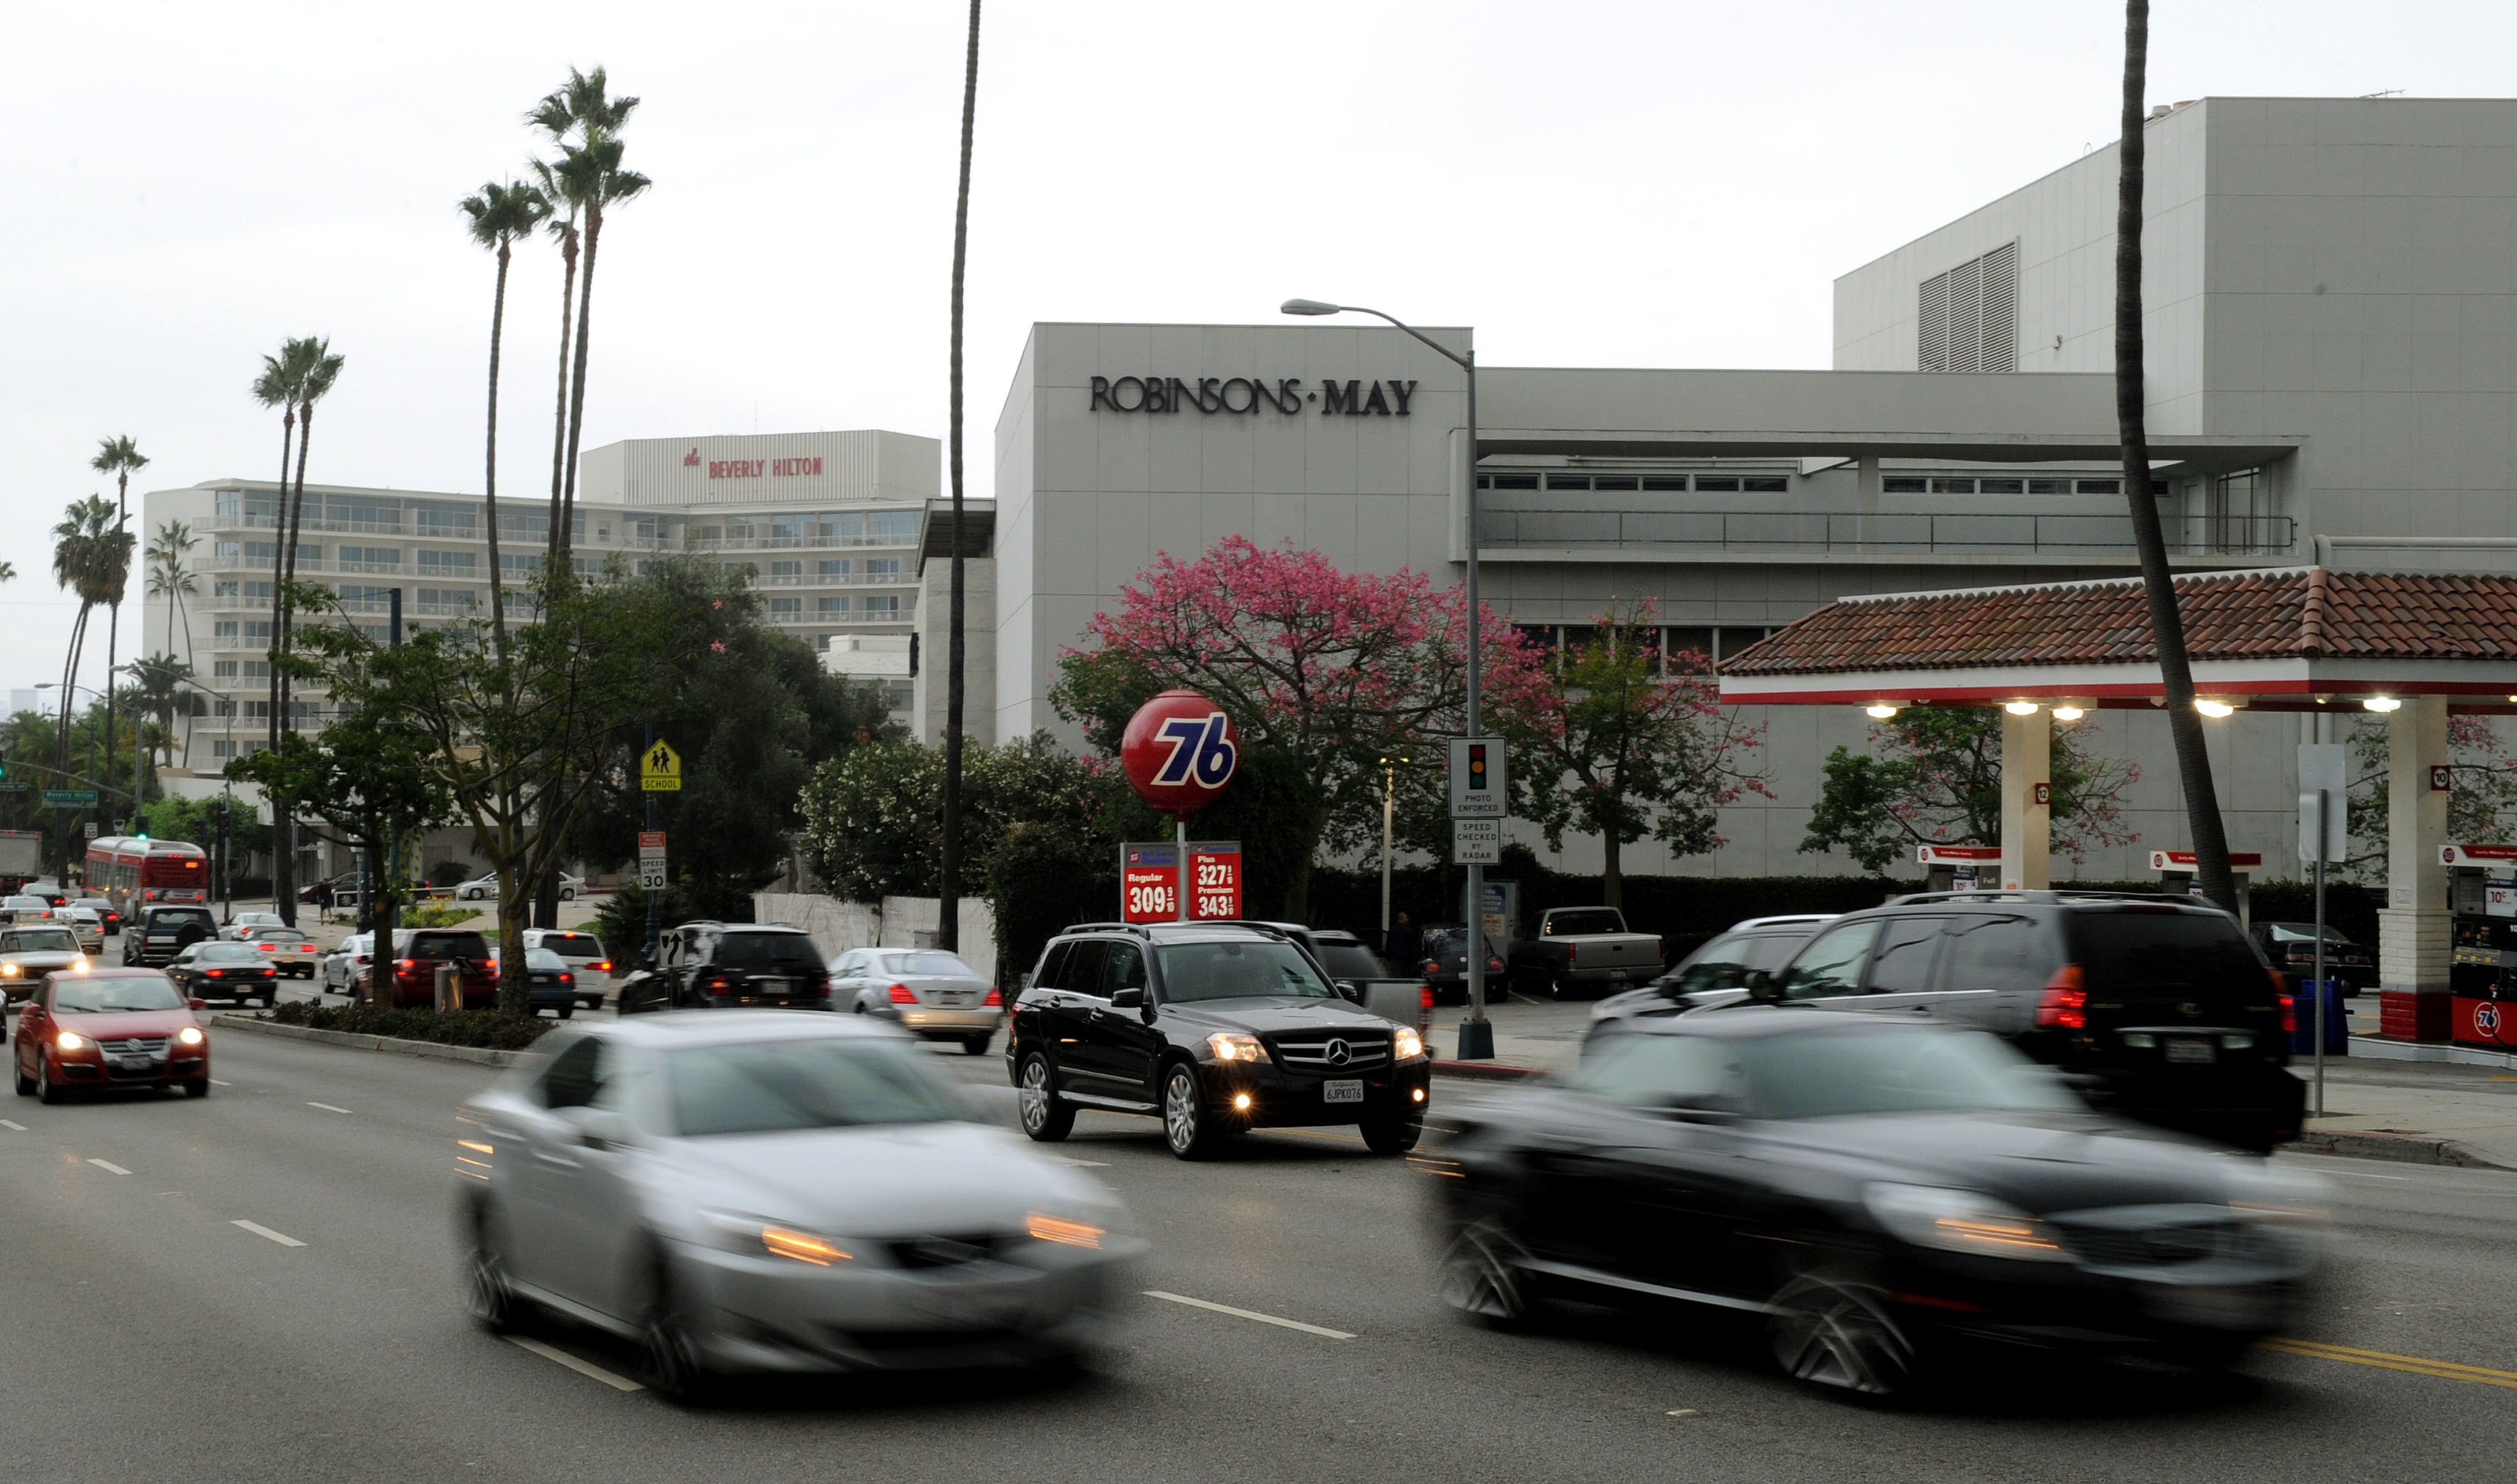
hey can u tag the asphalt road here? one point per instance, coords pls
(261, 1286)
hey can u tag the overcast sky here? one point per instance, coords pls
(1586, 182)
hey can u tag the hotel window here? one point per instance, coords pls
(1506, 480)
(370, 556)
(1966, 320)
(1665, 481)
(257, 710)
(223, 589)
(265, 551)
(226, 746)
(786, 569)
(364, 593)
(838, 569)
(458, 599)
(229, 551)
(222, 669)
(516, 565)
(446, 564)
(786, 608)
(1904, 485)
(224, 628)
(833, 608)
(881, 567)
(883, 607)
(435, 519)
(892, 527)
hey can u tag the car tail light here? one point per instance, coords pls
(214, 973)
(1660, 949)
(1570, 950)
(1425, 997)
(1433, 967)
(2289, 1016)
(2066, 1002)
(900, 995)
(719, 986)
(267, 946)
(601, 966)
(996, 998)
(1494, 965)
(567, 979)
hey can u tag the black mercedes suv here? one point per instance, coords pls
(1216, 1028)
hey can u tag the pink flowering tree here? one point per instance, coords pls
(1323, 671)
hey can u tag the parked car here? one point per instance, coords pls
(86, 922)
(1446, 967)
(109, 1028)
(291, 951)
(244, 922)
(717, 966)
(2163, 1005)
(344, 969)
(775, 1192)
(2291, 947)
(1214, 1027)
(926, 991)
(335, 891)
(163, 931)
(215, 970)
(586, 956)
(417, 952)
(486, 888)
(1716, 972)
(27, 954)
(1881, 1191)
(1584, 950)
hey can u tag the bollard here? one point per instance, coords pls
(450, 987)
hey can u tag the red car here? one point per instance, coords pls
(109, 1027)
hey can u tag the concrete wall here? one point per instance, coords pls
(838, 927)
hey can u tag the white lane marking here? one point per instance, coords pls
(260, 1230)
(327, 1108)
(1253, 1314)
(109, 1168)
(1084, 1163)
(581, 1367)
(2361, 1174)
(13, 1123)
(215, 1083)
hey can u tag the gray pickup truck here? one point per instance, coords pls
(1584, 950)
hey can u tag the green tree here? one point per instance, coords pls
(1932, 776)
(119, 457)
(498, 215)
(171, 579)
(2478, 807)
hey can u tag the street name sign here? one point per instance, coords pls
(70, 798)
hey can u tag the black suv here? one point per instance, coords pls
(162, 932)
(1216, 1028)
(2167, 1009)
(720, 966)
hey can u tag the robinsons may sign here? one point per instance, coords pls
(1248, 394)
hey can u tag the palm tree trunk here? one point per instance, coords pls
(283, 827)
(113, 640)
(948, 922)
(278, 531)
(2166, 624)
(61, 754)
(559, 416)
(490, 475)
(562, 532)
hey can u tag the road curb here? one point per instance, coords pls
(479, 1056)
(2405, 1148)
(1484, 1072)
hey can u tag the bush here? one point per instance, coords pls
(448, 873)
(433, 915)
(493, 1029)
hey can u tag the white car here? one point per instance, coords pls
(291, 952)
(586, 957)
(486, 888)
(245, 922)
(346, 966)
(85, 922)
(776, 1192)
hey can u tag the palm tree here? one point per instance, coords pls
(296, 379)
(2159, 583)
(499, 215)
(119, 457)
(947, 923)
(159, 684)
(561, 187)
(170, 578)
(278, 387)
(585, 107)
(92, 558)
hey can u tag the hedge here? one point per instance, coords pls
(493, 1029)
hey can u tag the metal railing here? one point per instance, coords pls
(1951, 532)
(840, 579)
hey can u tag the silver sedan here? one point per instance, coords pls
(925, 990)
(775, 1192)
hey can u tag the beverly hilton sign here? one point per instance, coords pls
(1248, 394)
(753, 468)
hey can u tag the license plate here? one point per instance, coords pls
(1348, 1090)
(1618, 976)
(2187, 1050)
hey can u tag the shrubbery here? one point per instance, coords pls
(493, 1029)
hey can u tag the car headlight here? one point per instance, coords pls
(1228, 1048)
(71, 1040)
(760, 1237)
(10, 972)
(1406, 1045)
(191, 1035)
(1962, 1222)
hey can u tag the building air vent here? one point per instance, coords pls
(1966, 320)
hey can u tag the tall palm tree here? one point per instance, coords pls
(585, 109)
(91, 558)
(2159, 583)
(948, 922)
(499, 214)
(563, 188)
(170, 578)
(121, 458)
(159, 684)
(278, 387)
(295, 379)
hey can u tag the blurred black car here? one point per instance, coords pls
(718, 965)
(215, 970)
(1716, 972)
(1445, 967)
(1880, 1193)
(2291, 947)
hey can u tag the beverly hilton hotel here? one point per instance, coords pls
(828, 523)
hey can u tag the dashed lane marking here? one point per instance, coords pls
(215, 1083)
(1084, 1163)
(2383, 1360)
(13, 1123)
(109, 1168)
(581, 1367)
(1250, 1314)
(327, 1108)
(260, 1230)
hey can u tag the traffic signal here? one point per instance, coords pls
(1477, 764)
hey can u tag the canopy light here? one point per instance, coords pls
(1881, 710)
(2021, 708)
(2381, 704)
(2068, 712)
(2215, 710)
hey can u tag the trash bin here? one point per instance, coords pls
(2337, 1019)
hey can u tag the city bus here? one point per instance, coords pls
(134, 871)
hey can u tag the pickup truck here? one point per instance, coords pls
(1580, 949)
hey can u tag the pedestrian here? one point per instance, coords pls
(1405, 944)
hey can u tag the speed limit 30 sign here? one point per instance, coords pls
(651, 860)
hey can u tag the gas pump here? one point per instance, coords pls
(2175, 870)
(1959, 868)
(2482, 977)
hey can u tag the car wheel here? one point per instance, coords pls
(1394, 1135)
(977, 1046)
(567, 894)
(487, 1297)
(50, 1091)
(1482, 1276)
(567, 1011)
(1045, 1114)
(197, 1087)
(1188, 1128)
(25, 1084)
(675, 1367)
(1836, 1332)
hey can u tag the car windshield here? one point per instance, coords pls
(1855, 1070)
(1726, 962)
(468, 946)
(821, 1083)
(948, 964)
(52, 940)
(75, 996)
(1350, 961)
(1238, 971)
(1603, 919)
(226, 953)
(768, 951)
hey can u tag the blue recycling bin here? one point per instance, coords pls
(2338, 1020)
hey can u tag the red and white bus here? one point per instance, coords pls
(134, 871)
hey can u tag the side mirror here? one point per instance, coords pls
(1128, 999)
(1762, 988)
(1347, 989)
(197, 1004)
(599, 1128)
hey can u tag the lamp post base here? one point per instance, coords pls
(1476, 1040)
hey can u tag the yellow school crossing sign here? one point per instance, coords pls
(660, 770)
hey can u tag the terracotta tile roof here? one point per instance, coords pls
(2304, 612)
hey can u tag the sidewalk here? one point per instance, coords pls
(2431, 1113)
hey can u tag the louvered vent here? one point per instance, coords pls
(1966, 320)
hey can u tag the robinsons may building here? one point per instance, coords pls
(2331, 322)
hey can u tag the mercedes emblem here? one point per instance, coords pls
(1339, 1053)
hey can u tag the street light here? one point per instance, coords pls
(1477, 1032)
(1389, 767)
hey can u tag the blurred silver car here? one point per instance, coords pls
(27, 954)
(924, 990)
(778, 1191)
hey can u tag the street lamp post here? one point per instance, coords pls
(1388, 794)
(1477, 1032)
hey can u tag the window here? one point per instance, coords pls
(229, 551)
(577, 1078)
(1084, 967)
(230, 628)
(1899, 485)
(1954, 487)
(887, 607)
(2102, 486)
(893, 528)
(1716, 482)
(224, 628)
(1765, 484)
(1995, 953)
(453, 598)
(1126, 969)
(226, 746)
(881, 567)
(356, 557)
(1832, 962)
(1615, 482)
(1569, 481)
(786, 608)
(1050, 964)
(267, 551)
(1508, 482)
(445, 564)
(435, 518)
(1902, 965)
(2049, 486)
(837, 606)
(222, 669)
(351, 592)
(1966, 320)
(1661, 1071)
(2001, 486)
(788, 570)
(513, 564)
(1665, 481)
(837, 570)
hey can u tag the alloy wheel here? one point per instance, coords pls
(1478, 1277)
(1832, 1332)
(1035, 1093)
(1185, 1125)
